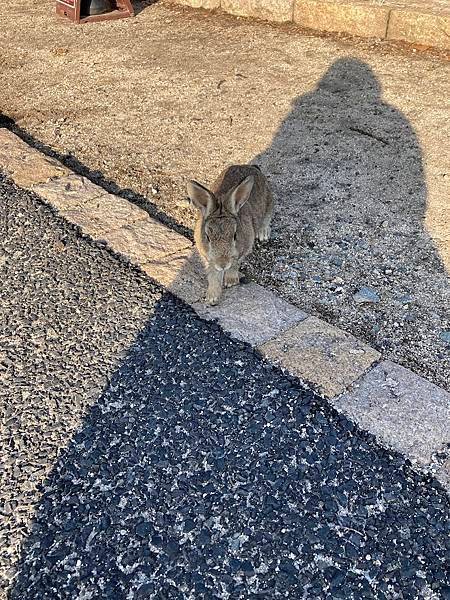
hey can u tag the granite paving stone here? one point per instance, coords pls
(358, 18)
(278, 11)
(321, 354)
(182, 273)
(423, 23)
(68, 192)
(407, 412)
(252, 313)
(26, 165)
(146, 240)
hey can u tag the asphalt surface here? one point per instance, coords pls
(147, 455)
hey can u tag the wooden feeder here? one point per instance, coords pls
(72, 9)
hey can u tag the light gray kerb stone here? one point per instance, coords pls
(251, 313)
(403, 410)
(323, 355)
(69, 192)
(182, 273)
(146, 240)
(25, 165)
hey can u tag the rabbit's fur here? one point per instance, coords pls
(236, 211)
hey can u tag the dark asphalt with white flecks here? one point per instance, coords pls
(147, 455)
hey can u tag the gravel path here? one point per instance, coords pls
(147, 455)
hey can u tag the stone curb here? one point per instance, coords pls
(404, 411)
(419, 22)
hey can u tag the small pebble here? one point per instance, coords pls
(366, 295)
(445, 336)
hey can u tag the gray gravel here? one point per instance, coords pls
(65, 319)
(150, 456)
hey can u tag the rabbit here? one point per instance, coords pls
(236, 211)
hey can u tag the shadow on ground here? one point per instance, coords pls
(347, 171)
(140, 5)
(348, 174)
(202, 472)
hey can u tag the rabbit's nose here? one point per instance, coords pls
(223, 266)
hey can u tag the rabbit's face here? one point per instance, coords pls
(219, 240)
(219, 221)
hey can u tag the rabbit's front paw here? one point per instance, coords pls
(231, 278)
(264, 234)
(212, 297)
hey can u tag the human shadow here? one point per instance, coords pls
(200, 472)
(347, 171)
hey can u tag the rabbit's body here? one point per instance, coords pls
(236, 211)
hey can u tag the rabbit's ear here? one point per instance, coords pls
(241, 194)
(201, 197)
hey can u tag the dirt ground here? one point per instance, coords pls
(352, 134)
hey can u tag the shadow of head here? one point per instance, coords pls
(353, 77)
(344, 163)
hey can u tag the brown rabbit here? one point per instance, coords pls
(232, 215)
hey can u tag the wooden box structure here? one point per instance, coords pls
(72, 10)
